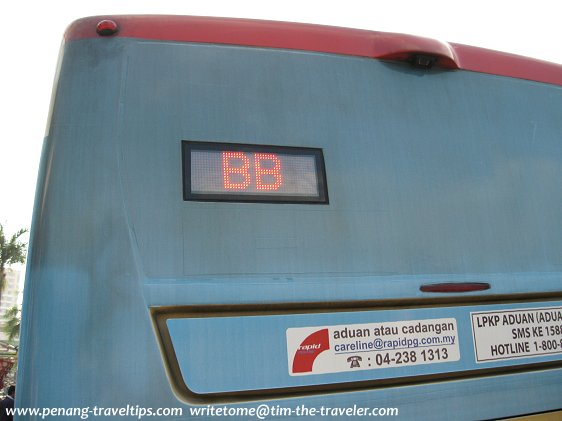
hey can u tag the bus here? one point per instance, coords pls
(235, 216)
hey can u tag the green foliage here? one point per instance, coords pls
(12, 251)
(12, 321)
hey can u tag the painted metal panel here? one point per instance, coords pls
(434, 176)
(226, 354)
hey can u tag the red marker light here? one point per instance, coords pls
(455, 287)
(107, 28)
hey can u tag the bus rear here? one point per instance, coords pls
(239, 214)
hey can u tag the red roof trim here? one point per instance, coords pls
(319, 38)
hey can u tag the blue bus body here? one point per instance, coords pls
(135, 296)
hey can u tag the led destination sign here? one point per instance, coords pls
(253, 173)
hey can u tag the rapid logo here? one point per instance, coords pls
(309, 349)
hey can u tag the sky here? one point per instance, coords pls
(32, 33)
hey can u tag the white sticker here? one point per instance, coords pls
(333, 349)
(511, 334)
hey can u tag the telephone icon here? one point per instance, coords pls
(354, 360)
